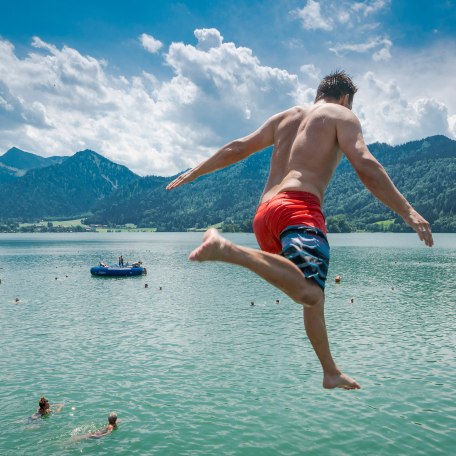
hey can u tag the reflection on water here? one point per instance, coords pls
(192, 368)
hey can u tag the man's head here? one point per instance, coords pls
(336, 85)
(44, 403)
(112, 418)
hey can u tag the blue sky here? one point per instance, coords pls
(159, 85)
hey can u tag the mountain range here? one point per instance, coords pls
(15, 163)
(87, 184)
(58, 186)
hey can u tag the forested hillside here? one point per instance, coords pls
(424, 171)
(67, 189)
(108, 193)
(230, 196)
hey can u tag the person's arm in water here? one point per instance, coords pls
(95, 435)
(374, 176)
(57, 407)
(102, 432)
(231, 153)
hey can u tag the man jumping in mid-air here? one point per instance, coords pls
(289, 226)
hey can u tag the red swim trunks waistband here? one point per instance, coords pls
(296, 194)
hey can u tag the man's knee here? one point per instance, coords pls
(310, 294)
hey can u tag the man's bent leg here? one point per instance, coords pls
(286, 276)
(314, 322)
(275, 269)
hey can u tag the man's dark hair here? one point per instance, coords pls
(336, 85)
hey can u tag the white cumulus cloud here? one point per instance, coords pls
(311, 18)
(57, 101)
(452, 125)
(311, 72)
(382, 55)
(389, 116)
(208, 38)
(150, 44)
(232, 83)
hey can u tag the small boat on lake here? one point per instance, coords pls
(118, 271)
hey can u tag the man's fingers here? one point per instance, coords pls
(175, 183)
(427, 234)
(421, 234)
(424, 233)
(428, 238)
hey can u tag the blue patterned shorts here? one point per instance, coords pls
(308, 248)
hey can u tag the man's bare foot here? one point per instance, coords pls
(212, 248)
(339, 381)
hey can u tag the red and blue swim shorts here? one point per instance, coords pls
(291, 224)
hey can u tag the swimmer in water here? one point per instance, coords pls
(44, 408)
(112, 424)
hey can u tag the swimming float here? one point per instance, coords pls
(117, 271)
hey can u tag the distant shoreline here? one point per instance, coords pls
(199, 230)
(76, 226)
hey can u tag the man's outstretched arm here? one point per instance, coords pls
(231, 153)
(375, 178)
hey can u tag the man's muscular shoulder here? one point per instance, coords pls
(316, 112)
(340, 116)
(336, 110)
(344, 114)
(295, 113)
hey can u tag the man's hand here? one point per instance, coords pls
(184, 178)
(421, 226)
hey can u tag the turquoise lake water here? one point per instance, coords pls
(193, 369)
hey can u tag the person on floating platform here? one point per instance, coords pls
(309, 141)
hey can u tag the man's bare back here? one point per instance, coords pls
(306, 151)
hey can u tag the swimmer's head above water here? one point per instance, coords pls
(43, 405)
(112, 418)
